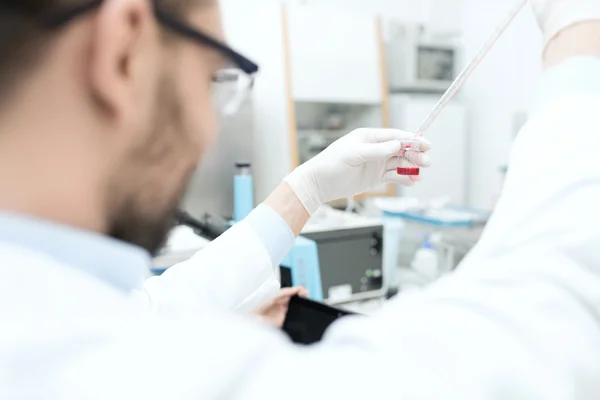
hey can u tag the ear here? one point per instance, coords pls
(123, 54)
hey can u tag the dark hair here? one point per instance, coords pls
(24, 37)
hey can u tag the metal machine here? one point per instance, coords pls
(419, 62)
(350, 255)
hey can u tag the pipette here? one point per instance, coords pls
(458, 83)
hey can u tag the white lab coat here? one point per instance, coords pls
(241, 276)
(520, 320)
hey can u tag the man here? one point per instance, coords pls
(520, 319)
(107, 108)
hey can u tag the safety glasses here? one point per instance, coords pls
(231, 85)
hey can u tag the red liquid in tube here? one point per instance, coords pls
(411, 171)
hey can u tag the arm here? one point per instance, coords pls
(236, 271)
(241, 263)
(549, 193)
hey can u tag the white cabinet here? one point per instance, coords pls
(448, 174)
(335, 56)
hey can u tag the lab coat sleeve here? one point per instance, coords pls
(234, 272)
(552, 190)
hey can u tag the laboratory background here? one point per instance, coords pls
(331, 66)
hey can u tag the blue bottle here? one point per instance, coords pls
(243, 192)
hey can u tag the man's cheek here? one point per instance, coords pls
(207, 132)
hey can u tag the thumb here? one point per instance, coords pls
(380, 151)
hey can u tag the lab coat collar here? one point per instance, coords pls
(117, 263)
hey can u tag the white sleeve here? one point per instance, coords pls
(552, 191)
(234, 272)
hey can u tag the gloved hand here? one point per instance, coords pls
(355, 164)
(556, 15)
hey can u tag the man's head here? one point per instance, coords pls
(114, 106)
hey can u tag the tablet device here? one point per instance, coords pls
(307, 320)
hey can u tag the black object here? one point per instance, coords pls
(392, 292)
(286, 277)
(209, 227)
(306, 320)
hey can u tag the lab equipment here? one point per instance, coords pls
(414, 171)
(301, 267)
(464, 75)
(243, 192)
(409, 168)
(420, 62)
(350, 253)
(426, 219)
(426, 262)
(392, 240)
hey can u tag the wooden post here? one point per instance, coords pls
(291, 106)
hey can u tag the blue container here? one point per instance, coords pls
(243, 192)
(303, 260)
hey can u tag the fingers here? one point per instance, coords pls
(286, 294)
(373, 135)
(379, 151)
(424, 144)
(289, 292)
(418, 158)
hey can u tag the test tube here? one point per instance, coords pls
(407, 152)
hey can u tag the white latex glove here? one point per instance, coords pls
(355, 164)
(556, 15)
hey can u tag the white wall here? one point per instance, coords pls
(402, 10)
(446, 15)
(503, 85)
